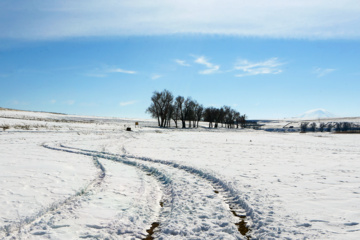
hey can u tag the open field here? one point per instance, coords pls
(74, 177)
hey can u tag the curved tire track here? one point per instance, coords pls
(150, 171)
(15, 228)
(238, 207)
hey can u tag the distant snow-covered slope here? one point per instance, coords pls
(317, 113)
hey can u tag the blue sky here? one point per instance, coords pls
(267, 59)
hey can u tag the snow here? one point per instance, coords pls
(92, 179)
(317, 113)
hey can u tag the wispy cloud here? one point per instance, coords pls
(247, 68)
(320, 72)
(182, 63)
(52, 101)
(211, 68)
(119, 70)
(123, 104)
(104, 71)
(35, 19)
(155, 76)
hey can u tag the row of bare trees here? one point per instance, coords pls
(336, 126)
(164, 107)
(224, 116)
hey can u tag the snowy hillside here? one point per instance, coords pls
(316, 114)
(75, 177)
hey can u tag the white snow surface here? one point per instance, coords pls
(80, 179)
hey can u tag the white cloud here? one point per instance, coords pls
(247, 68)
(182, 63)
(119, 70)
(155, 76)
(105, 70)
(57, 19)
(211, 68)
(122, 104)
(320, 72)
(53, 101)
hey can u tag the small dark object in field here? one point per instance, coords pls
(128, 129)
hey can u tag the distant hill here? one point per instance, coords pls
(316, 114)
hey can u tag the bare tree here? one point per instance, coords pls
(189, 110)
(337, 127)
(179, 104)
(154, 108)
(237, 119)
(169, 115)
(243, 121)
(161, 102)
(199, 110)
(303, 126)
(176, 112)
(313, 126)
(329, 127)
(209, 115)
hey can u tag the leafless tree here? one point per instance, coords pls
(209, 115)
(337, 127)
(321, 127)
(179, 105)
(313, 126)
(243, 121)
(189, 110)
(199, 109)
(237, 119)
(303, 127)
(176, 112)
(329, 127)
(161, 102)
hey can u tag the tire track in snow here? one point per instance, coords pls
(237, 206)
(15, 228)
(150, 171)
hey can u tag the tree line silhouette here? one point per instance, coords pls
(165, 107)
(339, 127)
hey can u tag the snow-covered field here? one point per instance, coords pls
(72, 177)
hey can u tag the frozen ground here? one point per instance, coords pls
(88, 178)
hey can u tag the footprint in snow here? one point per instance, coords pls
(304, 225)
(351, 224)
